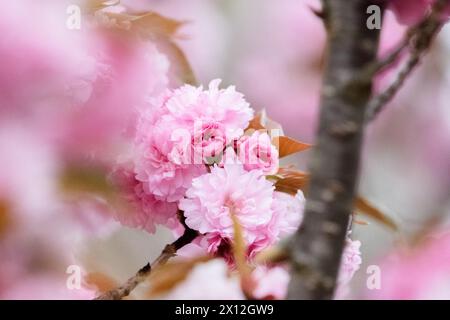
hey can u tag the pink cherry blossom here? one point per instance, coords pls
(213, 117)
(80, 88)
(209, 281)
(426, 265)
(287, 214)
(271, 283)
(258, 152)
(91, 215)
(163, 158)
(24, 160)
(229, 157)
(215, 196)
(351, 260)
(350, 263)
(409, 11)
(45, 287)
(225, 106)
(146, 211)
(157, 163)
(209, 139)
(412, 11)
(197, 248)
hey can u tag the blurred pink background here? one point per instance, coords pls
(273, 51)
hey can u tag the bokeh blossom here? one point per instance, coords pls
(80, 89)
(271, 282)
(428, 268)
(145, 210)
(209, 281)
(412, 11)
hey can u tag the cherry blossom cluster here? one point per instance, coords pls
(192, 153)
(198, 163)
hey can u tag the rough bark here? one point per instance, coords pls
(316, 248)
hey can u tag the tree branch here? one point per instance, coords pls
(169, 251)
(316, 248)
(419, 38)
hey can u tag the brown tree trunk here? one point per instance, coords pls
(318, 245)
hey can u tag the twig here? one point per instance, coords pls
(388, 60)
(316, 248)
(421, 37)
(169, 251)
